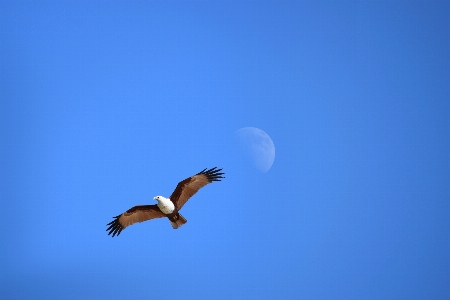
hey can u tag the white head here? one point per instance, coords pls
(158, 198)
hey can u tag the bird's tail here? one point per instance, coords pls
(177, 221)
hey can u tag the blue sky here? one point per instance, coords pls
(106, 104)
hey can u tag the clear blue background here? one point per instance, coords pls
(106, 104)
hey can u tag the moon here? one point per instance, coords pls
(258, 146)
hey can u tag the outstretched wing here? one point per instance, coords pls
(135, 214)
(188, 187)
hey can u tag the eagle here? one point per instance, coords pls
(166, 207)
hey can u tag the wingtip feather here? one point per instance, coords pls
(212, 174)
(115, 227)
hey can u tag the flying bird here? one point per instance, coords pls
(166, 207)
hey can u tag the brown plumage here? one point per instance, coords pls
(184, 190)
(190, 186)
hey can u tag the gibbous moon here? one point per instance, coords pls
(258, 145)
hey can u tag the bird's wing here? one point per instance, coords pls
(188, 187)
(135, 214)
